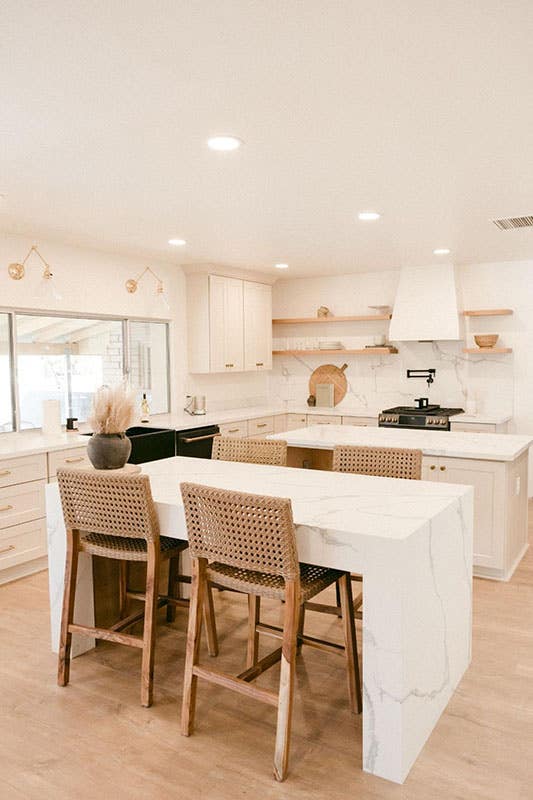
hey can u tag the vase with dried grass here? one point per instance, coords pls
(111, 415)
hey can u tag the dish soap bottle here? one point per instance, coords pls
(145, 409)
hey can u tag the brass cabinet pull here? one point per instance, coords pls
(233, 430)
(5, 472)
(433, 466)
(7, 549)
(74, 460)
(201, 438)
(230, 365)
(6, 508)
(262, 425)
(259, 364)
(443, 469)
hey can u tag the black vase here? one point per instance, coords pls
(108, 450)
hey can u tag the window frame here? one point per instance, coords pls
(12, 314)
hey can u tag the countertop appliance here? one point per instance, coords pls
(196, 442)
(196, 405)
(429, 417)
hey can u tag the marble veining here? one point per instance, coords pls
(411, 540)
(453, 444)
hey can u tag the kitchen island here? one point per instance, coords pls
(496, 465)
(411, 541)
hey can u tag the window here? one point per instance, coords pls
(149, 363)
(68, 358)
(6, 384)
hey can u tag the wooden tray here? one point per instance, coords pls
(329, 373)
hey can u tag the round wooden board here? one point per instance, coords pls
(329, 373)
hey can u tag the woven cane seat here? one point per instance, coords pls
(384, 462)
(121, 547)
(313, 580)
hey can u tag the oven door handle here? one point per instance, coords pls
(200, 438)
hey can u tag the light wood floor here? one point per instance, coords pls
(93, 741)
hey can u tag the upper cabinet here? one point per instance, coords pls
(257, 326)
(229, 324)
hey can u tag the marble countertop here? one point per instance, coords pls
(375, 507)
(29, 443)
(484, 446)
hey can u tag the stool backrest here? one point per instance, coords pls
(249, 531)
(385, 462)
(113, 504)
(251, 451)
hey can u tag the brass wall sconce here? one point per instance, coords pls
(132, 284)
(17, 269)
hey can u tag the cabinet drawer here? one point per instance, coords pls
(22, 470)
(473, 427)
(324, 419)
(73, 457)
(260, 426)
(295, 421)
(234, 428)
(22, 543)
(362, 422)
(21, 503)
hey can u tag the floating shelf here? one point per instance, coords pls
(305, 320)
(488, 312)
(487, 350)
(366, 351)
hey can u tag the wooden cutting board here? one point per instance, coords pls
(329, 373)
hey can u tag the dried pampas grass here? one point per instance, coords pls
(113, 409)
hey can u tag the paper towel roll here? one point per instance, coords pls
(51, 417)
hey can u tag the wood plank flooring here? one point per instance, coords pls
(93, 741)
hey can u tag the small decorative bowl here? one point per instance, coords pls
(486, 340)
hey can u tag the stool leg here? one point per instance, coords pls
(198, 586)
(254, 611)
(350, 643)
(338, 598)
(301, 625)
(123, 589)
(210, 621)
(286, 680)
(173, 572)
(150, 612)
(67, 614)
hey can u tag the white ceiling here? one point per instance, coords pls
(421, 109)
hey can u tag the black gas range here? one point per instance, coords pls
(424, 417)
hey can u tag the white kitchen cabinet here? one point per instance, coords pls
(323, 419)
(363, 422)
(229, 324)
(234, 429)
(280, 423)
(257, 306)
(478, 427)
(500, 507)
(295, 421)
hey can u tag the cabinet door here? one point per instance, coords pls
(430, 468)
(488, 480)
(362, 422)
(295, 421)
(280, 423)
(257, 326)
(226, 340)
(473, 427)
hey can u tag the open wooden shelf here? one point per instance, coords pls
(305, 320)
(488, 312)
(366, 351)
(487, 350)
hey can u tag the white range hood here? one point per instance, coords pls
(426, 305)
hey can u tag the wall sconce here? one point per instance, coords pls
(133, 284)
(17, 270)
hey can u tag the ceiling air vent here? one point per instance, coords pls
(513, 222)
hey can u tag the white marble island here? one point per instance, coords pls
(413, 544)
(495, 464)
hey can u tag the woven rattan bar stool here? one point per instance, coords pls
(383, 462)
(247, 542)
(113, 515)
(250, 451)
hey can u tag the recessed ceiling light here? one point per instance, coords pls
(224, 143)
(441, 251)
(177, 242)
(366, 216)
(281, 266)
